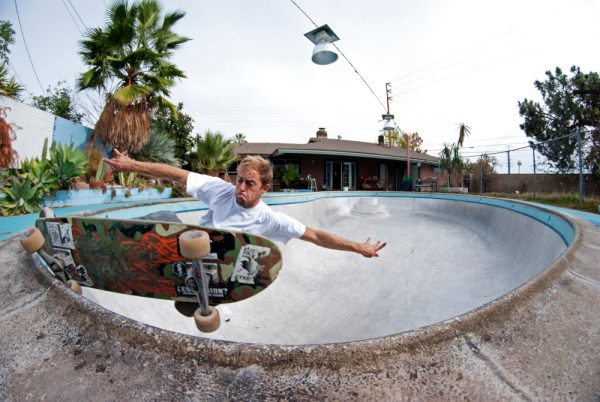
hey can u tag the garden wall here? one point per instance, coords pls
(542, 183)
(69, 198)
(32, 126)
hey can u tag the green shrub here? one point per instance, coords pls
(22, 196)
(66, 163)
(40, 174)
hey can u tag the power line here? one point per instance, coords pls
(535, 144)
(78, 16)
(302, 11)
(450, 57)
(344, 56)
(27, 49)
(72, 18)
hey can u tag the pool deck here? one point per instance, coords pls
(539, 342)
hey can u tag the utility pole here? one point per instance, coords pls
(532, 145)
(508, 152)
(388, 93)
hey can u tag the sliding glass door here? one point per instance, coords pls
(340, 174)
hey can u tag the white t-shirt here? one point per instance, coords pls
(225, 213)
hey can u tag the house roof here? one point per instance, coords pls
(330, 146)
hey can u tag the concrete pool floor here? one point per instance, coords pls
(540, 342)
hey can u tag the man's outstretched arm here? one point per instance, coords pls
(329, 240)
(122, 163)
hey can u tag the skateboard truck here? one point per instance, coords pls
(195, 245)
(61, 264)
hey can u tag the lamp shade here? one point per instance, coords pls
(324, 53)
(387, 125)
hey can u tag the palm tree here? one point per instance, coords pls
(239, 138)
(129, 58)
(446, 159)
(451, 161)
(212, 154)
(8, 86)
(463, 131)
(457, 165)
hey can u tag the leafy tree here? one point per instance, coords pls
(486, 165)
(415, 141)
(212, 154)
(178, 126)
(560, 114)
(8, 86)
(130, 58)
(287, 174)
(7, 37)
(59, 101)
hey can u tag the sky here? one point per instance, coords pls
(249, 70)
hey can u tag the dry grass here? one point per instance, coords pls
(126, 128)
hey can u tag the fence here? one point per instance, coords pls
(560, 165)
(546, 183)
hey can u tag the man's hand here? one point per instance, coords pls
(369, 249)
(120, 162)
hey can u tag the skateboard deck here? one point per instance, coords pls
(143, 258)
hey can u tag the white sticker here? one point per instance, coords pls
(247, 266)
(60, 234)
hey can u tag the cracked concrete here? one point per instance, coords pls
(539, 342)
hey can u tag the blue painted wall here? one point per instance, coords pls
(66, 132)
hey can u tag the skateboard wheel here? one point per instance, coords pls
(74, 286)
(32, 241)
(46, 212)
(194, 244)
(207, 323)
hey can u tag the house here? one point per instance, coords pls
(337, 163)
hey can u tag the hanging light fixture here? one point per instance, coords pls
(387, 122)
(324, 52)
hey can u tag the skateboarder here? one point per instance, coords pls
(240, 207)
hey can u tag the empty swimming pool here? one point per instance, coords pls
(446, 256)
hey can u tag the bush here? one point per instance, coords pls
(66, 163)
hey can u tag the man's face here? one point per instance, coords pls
(249, 188)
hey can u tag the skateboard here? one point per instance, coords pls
(166, 260)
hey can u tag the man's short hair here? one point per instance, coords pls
(260, 165)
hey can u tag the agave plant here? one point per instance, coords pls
(40, 174)
(21, 196)
(66, 163)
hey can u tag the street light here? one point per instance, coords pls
(324, 51)
(387, 122)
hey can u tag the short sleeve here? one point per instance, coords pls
(283, 228)
(205, 187)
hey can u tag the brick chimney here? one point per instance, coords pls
(321, 133)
